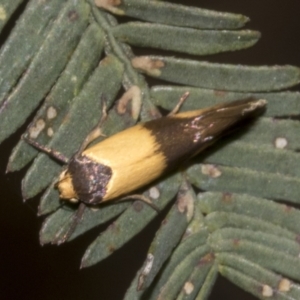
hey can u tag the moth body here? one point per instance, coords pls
(135, 157)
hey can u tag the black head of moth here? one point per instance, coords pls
(135, 157)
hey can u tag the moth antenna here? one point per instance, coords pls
(53, 153)
(177, 107)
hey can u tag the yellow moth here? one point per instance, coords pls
(133, 158)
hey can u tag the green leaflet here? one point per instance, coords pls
(86, 112)
(193, 41)
(218, 76)
(38, 78)
(175, 14)
(82, 62)
(17, 51)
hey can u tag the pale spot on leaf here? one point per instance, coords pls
(3, 15)
(51, 113)
(267, 291)
(35, 130)
(188, 288)
(211, 171)
(281, 143)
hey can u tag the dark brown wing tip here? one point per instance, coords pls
(247, 107)
(255, 104)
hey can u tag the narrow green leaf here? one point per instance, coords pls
(220, 219)
(58, 223)
(166, 237)
(189, 244)
(196, 282)
(208, 284)
(195, 226)
(218, 76)
(278, 214)
(7, 7)
(191, 41)
(93, 217)
(55, 225)
(38, 79)
(84, 114)
(267, 257)
(50, 201)
(272, 241)
(131, 222)
(83, 61)
(279, 104)
(283, 288)
(199, 256)
(20, 47)
(252, 285)
(197, 223)
(241, 180)
(132, 292)
(256, 157)
(281, 134)
(174, 14)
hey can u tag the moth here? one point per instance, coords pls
(135, 157)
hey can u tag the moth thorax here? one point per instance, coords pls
(88, 179)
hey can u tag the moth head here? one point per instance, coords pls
(66, 188)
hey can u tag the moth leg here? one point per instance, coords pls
(76, 218)
(141, 198)
(53, 153)
(96, 131)
(179, 104)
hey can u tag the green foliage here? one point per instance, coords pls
(61, 57)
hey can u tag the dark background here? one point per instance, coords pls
(29, 271)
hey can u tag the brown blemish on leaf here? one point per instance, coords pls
(287, 208)
(182, 203)
(220, 93)
(137, 206)
(112, 227)
(111, 249)
(185, 205)
(236, 242)
(164, 222)
(284, 285)
(105, 3)
(148, 65)
(35, 130)
(227, 197)
(297, 239)
(208, 258)
(133, 95)
(73, 15)
(211, 170)
(146, 270)
(110, 5)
